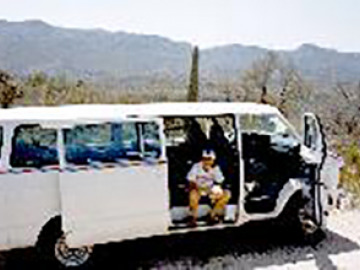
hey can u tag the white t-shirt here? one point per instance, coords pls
(205, 179)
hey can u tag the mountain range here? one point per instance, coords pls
(133, 59)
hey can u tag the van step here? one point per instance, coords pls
(200, 225)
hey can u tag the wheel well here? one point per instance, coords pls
(295, 201)
(50, 231)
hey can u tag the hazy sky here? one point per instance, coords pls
(267, 23)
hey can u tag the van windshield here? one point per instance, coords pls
(269, 124)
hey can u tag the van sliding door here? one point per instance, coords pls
(113, 185)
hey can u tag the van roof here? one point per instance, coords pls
(109, 111)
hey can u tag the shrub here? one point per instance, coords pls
(350, 172)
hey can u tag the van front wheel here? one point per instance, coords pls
(293, 218)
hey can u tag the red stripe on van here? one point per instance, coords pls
(82, 168)
(53, 167)
(109, 166)
(27, 170)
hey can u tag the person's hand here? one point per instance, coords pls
(216, 192)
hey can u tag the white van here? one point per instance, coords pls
(75, 176)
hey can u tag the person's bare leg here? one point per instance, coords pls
(220, 204)
(194, 198)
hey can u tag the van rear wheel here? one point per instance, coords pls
(71, 257)
(52, 248)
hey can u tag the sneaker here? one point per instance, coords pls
(192, 223)
(212, 220)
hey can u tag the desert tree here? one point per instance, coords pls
(343, 123)
(345, 109)
(295, 91)
(43, 89)
(9, 89)
(258, 76)
(273, 80)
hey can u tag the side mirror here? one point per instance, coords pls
(313, 136)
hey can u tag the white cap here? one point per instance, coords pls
(208, 154)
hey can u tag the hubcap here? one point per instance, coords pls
(309, 227)
(71, 256)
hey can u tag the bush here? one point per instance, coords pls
(350, 172)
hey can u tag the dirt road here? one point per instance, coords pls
(249, 247)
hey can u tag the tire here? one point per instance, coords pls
(289, 220)
(53, 251)
(301, 226)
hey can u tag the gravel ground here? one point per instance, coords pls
(253, 246)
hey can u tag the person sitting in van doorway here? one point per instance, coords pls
(205, 179)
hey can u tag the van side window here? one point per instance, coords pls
(109, 142)
(33, 146)
(175, 131)
(130, 137)
(151, 139)
(105, 142)
(310, 133)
